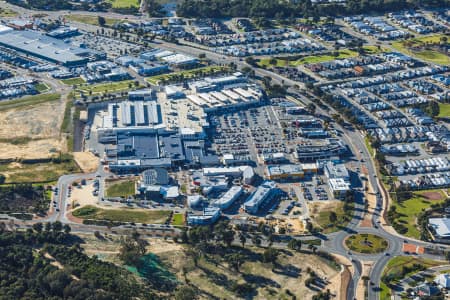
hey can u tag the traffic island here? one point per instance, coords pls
(366, 243)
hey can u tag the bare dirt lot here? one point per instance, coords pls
(432, 195)
(32, 131)
(87, 161)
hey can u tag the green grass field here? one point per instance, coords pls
(110, 87)
(395, 266)
(122, 215)
(41, 87)
(124, 3)
(28, 100)
(411, 208)
(91, 20)
(210, 70)
(444, 110)
(73, 81)
(265, 62)
(6, 12)
(429, 55)
(178, 219)
(121, 189)
(366, 243)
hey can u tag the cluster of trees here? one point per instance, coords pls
(28, 271)
(290, 9)
(23, 198)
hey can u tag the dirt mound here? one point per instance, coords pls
(432, 195)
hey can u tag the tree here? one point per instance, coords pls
(38, 227)
(242, 238)
(57, 226)
(235, 260)
(270, 255)
(67, 229)
(2, 178)
(256, 240)
(194, 254)
(185, 292)
(101, 21)
(295, 244)
(447, 256)
(332, 217)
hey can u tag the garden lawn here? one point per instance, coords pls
(411, 208)
(122, 215)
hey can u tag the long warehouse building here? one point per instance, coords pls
(44, 47)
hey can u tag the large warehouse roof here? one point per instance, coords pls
(39, 45)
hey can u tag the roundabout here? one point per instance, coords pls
(366, 243)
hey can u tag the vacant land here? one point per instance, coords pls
(411, 208)
(286, 278)
(403, 266)
(424, 51)
(87, 161)
(28, 100)
(444, 110)
(29, 127)
(122, 188)
(5, 13)
(92, 20)
(122, 215)
(24, 198)
(37, 172)
(341, 54)
(111, 87)
(320, 215)
(124, 3)
(186, 74)
(73, 81)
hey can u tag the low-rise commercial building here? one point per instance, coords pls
(210, 216)
(265, 192)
